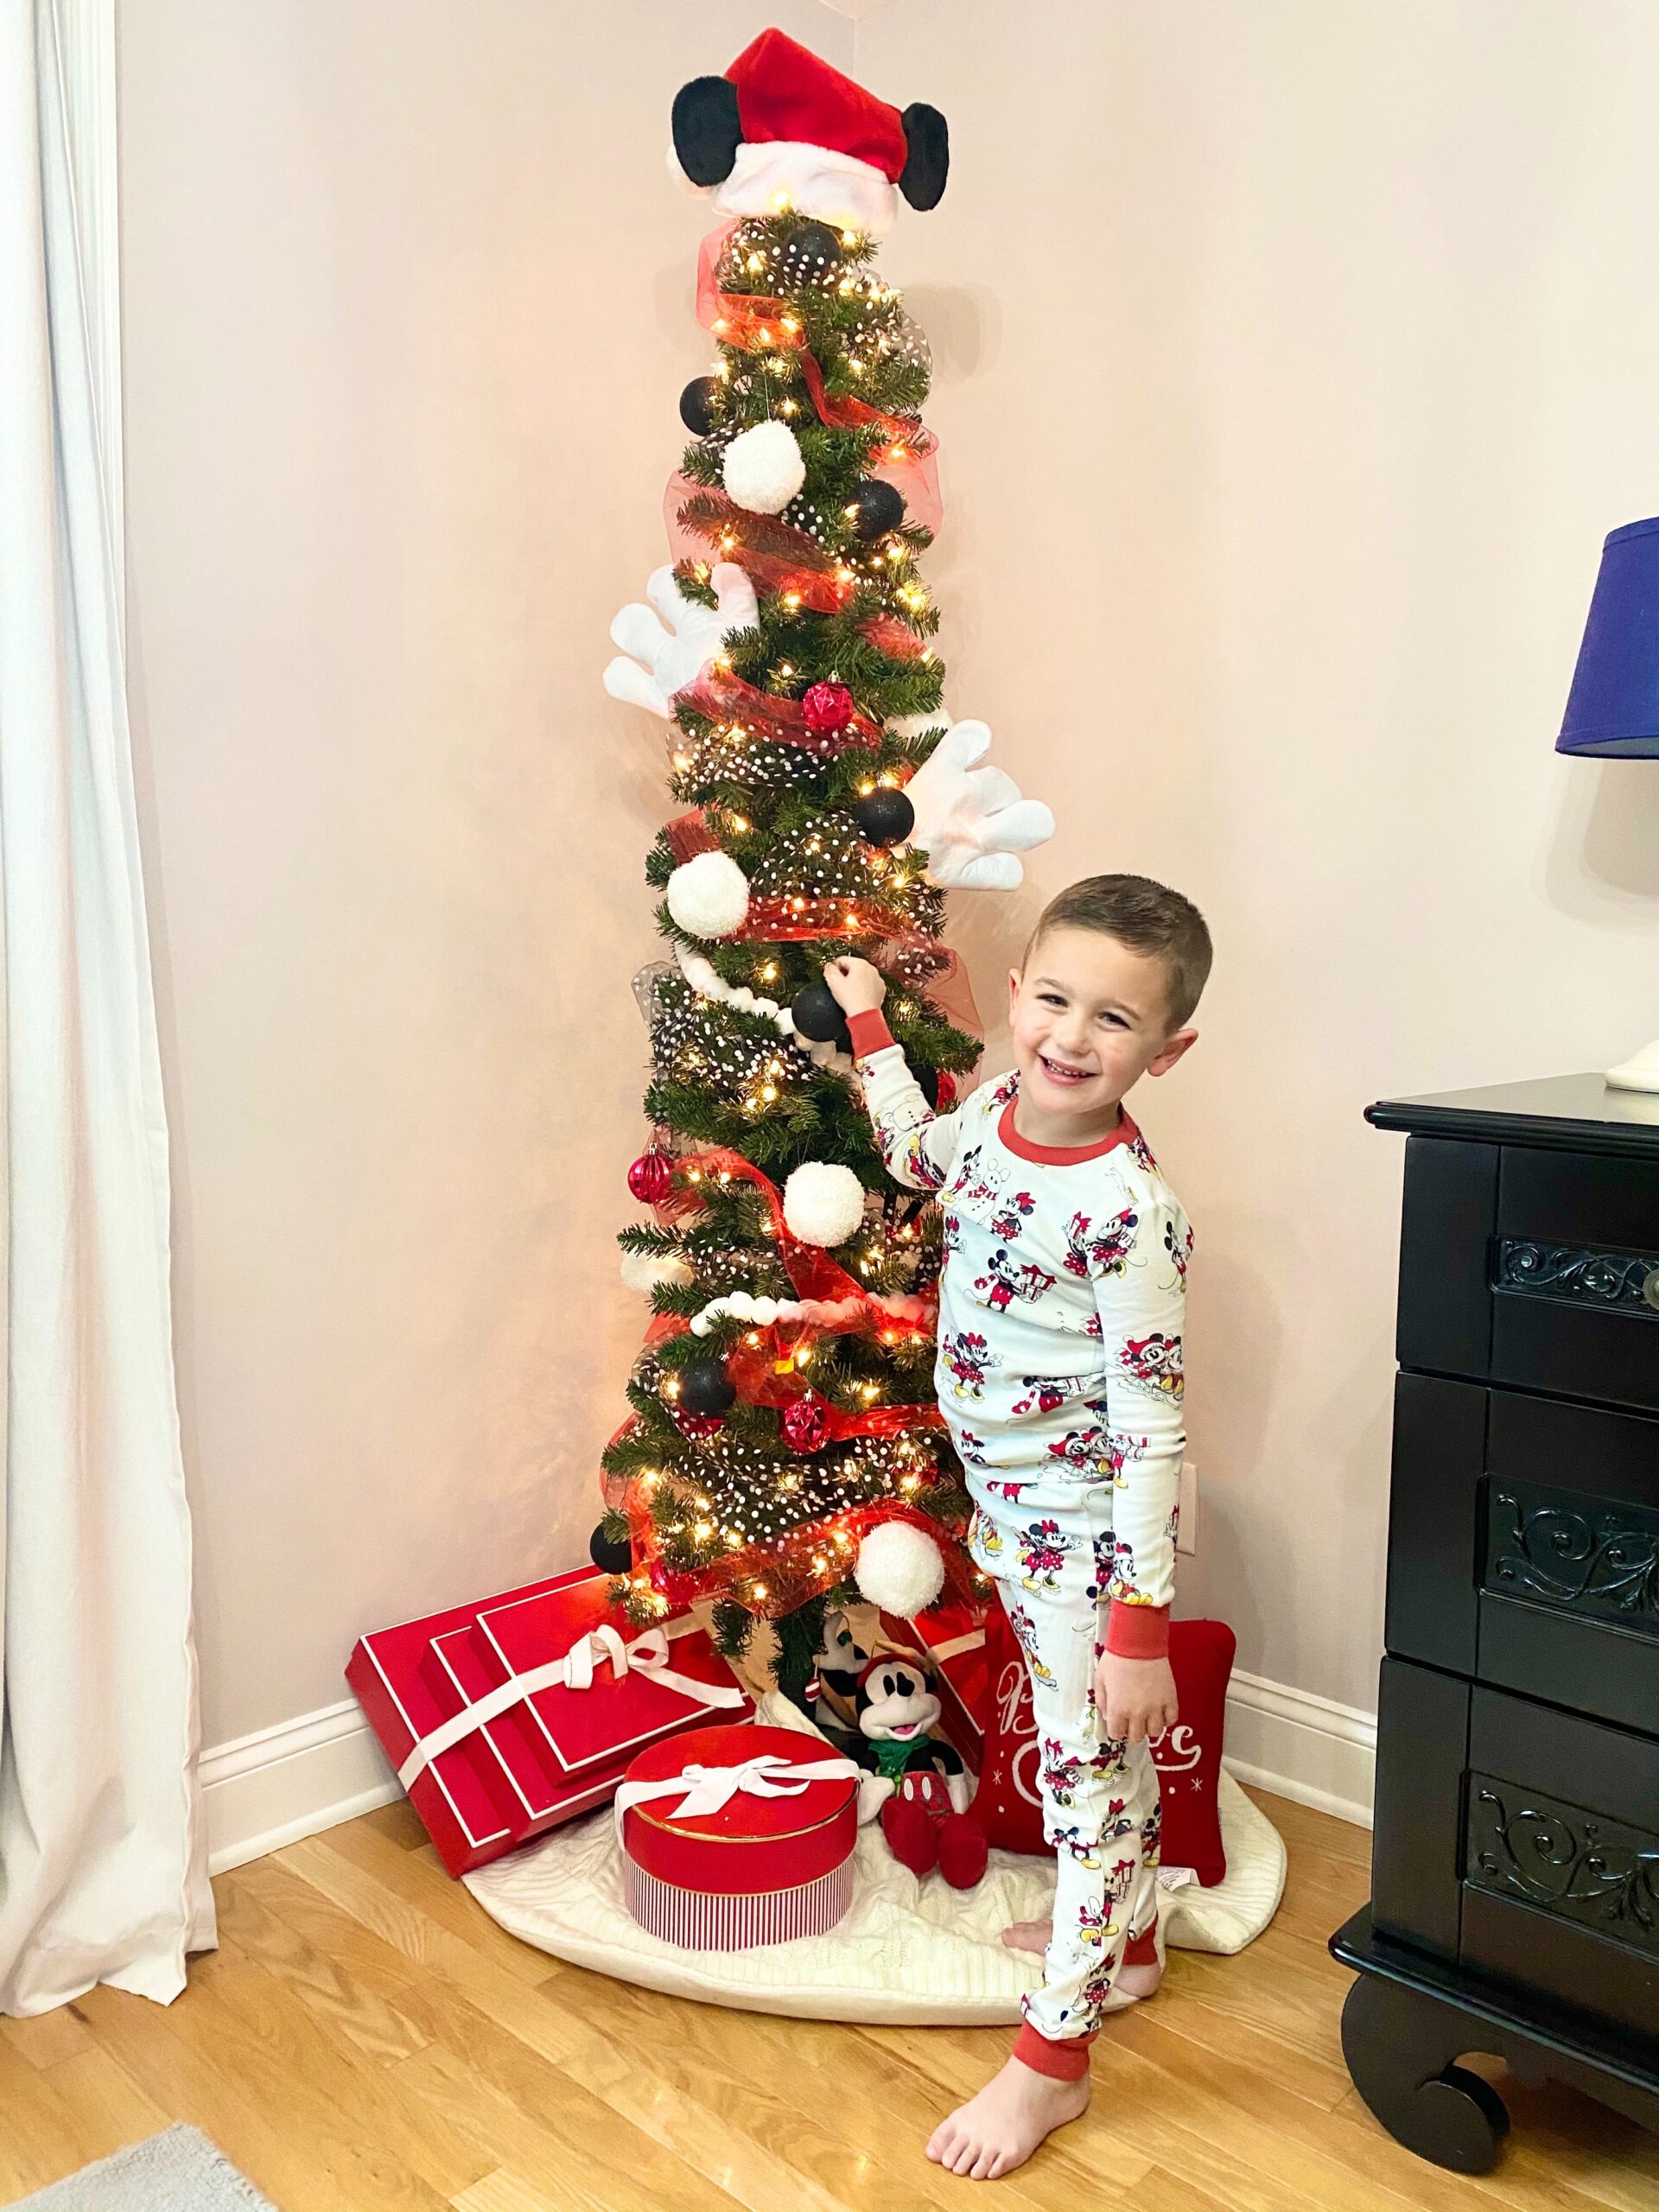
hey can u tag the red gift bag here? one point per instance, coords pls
(1008, 1803)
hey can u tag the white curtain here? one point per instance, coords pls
(102, 1870)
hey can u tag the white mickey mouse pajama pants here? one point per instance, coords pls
(1101, 1807)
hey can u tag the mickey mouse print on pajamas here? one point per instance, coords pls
(1094, 1924)
(1012, 1491)
(1042, 1554)
(1153, 1364)
(984, 1537)
(1062, 1771)
(1080, 1451)
(1006, 1279)
(1010, 1219)
(965, 1353)
(1097, 1253)
(1025, 1635)
(1045, 1394)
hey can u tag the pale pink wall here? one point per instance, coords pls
(408, 300)
(1294, 361)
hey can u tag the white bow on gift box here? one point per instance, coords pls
(647, 1655)
(971, 821)
(704, 1789)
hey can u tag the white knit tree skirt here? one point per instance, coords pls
(908, 1951)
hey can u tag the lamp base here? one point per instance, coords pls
(1639, 1073)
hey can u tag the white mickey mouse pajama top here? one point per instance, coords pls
(1061, 1313)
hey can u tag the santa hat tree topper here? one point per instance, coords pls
(782, 129)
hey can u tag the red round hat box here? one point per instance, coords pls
(762, 1869)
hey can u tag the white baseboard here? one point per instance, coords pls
(1308, 1749)
(302, 1776)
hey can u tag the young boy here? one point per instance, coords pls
(1061, 1308)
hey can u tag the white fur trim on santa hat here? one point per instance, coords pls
(775, 174)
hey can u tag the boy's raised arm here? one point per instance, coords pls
(916, 1145)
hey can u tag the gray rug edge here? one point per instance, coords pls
(179, 2170)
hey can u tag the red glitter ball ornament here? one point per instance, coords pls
(827, 707)
(651, 1177)
(804, 1423)
(698, 1425)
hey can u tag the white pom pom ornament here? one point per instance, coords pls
(822, 1205)
(645, 1270)
(899, 1569)
(763, 468)
(710, 895)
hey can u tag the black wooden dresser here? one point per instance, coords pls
(1515, 1874)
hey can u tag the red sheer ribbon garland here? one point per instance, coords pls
(719, 697)
(769, 1371)
(705, 526)
(750, 321)
(912, 958)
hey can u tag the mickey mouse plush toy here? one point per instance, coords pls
(924, 1818)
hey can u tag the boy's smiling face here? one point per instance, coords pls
(1090, 1017)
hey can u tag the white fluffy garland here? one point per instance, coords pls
(708, 983)
(741, 1305)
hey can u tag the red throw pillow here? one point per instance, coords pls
(1187, 1756)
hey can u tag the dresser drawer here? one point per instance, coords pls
(1530, 1266)
(1521, 1841)
(1523, 1545)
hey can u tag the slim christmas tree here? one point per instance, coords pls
(784, 1451)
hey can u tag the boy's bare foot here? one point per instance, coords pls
(1028, 1935)
(999, 2128)
(1034, 1936)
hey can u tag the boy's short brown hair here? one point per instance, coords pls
(1146, 916)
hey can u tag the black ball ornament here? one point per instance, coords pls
(697, 405)
(928, 1080)
(610, 1558)
(706, 1388)
(816, 1016)
(885, 818)
(876, 507)
(811, 253)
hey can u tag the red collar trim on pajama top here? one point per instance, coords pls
(1050, 1155)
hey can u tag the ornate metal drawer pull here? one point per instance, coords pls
(1623, 1282)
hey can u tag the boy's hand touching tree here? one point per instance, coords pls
(856, 986)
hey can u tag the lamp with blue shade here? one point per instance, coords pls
(1612, 710)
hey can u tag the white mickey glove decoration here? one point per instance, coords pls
(972, 823)
(660, 657)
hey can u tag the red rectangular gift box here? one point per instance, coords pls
(511, 1714)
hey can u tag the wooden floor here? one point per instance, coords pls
(365, 2039)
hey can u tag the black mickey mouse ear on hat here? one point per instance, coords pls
(927, 159)
(707, 128)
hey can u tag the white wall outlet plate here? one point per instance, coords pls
(1187, 1534)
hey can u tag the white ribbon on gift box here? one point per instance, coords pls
(708, 1789)
(647, 1655)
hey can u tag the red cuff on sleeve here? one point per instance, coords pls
(1138, 1631)
(1062, 2061)
(869, 1032)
